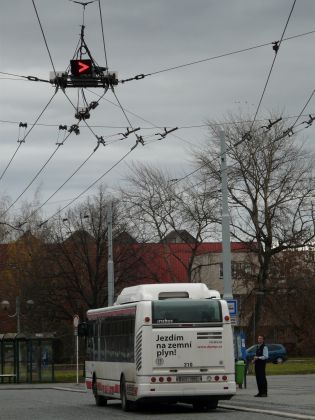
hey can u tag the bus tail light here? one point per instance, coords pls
(169, 379)
(216, 378)
(226, 318)
(153, 379)
(147, 319)
(224, 378)
(161, 379)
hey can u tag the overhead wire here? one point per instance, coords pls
(90, 186)
(141, 118)
(183, 127)
(276, 49)
(59, 188)
(36, 175)
(46, 163)
(103, 36)
(123, 110)
(45, 40)
(23, 141)
(98, 138)
(142, 76)
(34, 78)
(102, 176)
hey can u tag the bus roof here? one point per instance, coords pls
(165, 291)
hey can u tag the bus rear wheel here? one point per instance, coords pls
(126, 405)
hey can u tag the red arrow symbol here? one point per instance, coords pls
(83, 67)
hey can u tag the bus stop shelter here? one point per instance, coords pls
(26, 358)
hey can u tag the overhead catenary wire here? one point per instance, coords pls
(46, 163)
(304, 107)
(36, 175)
(191, 63)
(174, 182)
(106, 172)
(90, 186)
(88, 127)
(125, 110)
(60, 187)
(276, 49)
(26, 135)
(180, 127)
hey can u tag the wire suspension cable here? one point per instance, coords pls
(103, 36)
(41, 28)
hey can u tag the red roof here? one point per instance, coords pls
(157, 262)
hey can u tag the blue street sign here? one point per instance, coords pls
(233, 309)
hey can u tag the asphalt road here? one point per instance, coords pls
(289, 396)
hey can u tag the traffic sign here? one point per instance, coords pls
(233, 309)
(81, 67)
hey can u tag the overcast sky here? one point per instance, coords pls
(141, 37)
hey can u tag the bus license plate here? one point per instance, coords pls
(189, 379)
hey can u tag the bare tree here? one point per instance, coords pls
(270, 185)
(157, 204)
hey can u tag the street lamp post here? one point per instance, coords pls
(5, 304)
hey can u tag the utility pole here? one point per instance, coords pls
(18, 312)
(226, 244)
(110, 261)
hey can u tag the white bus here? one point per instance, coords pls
(161, 342)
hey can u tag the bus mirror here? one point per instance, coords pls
(83, 329)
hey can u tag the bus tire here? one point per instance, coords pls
(100, 401)
(126, 405)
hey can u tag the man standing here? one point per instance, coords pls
(260, 366)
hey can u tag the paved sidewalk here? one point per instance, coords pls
(287, 394)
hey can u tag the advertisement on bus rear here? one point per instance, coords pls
(187, 348)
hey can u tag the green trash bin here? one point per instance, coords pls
(240, 368)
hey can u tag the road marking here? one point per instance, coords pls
(271, 412)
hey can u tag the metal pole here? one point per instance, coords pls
(254, 320)
(77, 353)
(226, 245)
(110, 262)
(17, 311)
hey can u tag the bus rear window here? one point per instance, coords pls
(186, 311)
